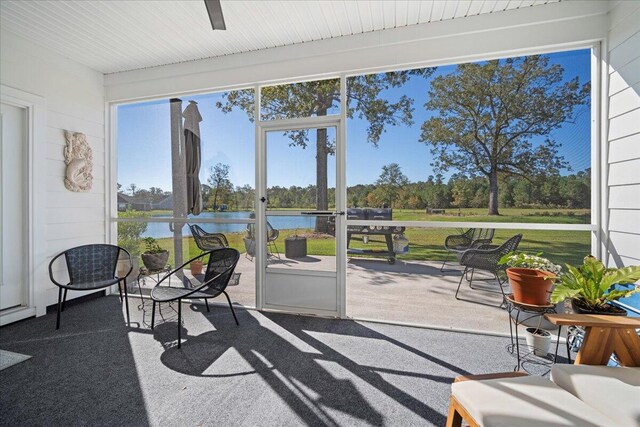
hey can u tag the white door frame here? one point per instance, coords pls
(262, 127)
(35, 107)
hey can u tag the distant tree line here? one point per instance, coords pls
(569, 191)
(233, 198)
(393, 189)
(152, 195)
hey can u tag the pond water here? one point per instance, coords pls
(160, 230)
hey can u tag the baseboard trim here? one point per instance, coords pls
(16, 314)
(79, 300)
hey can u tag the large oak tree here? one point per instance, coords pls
(496, 118)
(317, 98)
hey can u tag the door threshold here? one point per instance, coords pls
(12, 315)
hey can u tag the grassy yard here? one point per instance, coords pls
(545, 216)
(425, 244)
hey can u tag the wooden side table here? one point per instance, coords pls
(604, 336)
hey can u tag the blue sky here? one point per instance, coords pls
(144, 140)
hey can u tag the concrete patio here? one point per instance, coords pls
(414, 292)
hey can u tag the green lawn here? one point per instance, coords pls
(545, 216)
(427, 243)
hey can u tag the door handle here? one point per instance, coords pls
(318, 213)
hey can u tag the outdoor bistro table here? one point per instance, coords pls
(145, 273)
(531, 311)
(295, 247)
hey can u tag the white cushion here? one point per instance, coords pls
(524, 401)
(612, 391)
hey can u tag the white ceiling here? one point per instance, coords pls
(113, 36)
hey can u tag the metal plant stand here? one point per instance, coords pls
(524, 313)
(144, 274)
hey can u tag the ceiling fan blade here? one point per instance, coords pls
(215, 14)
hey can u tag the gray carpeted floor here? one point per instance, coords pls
(9, 358)
(272, 370)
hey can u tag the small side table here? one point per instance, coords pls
(604, 336)
(145, 273)
(531, 312)
(295, 247)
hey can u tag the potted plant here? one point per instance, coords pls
(531, 277)
(154, 257)
(196, 267)
(538, 340)
(590, 287)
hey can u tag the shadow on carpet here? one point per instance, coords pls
(273, 369)
(81, 374)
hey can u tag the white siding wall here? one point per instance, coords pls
(624, 133)
(74, 96)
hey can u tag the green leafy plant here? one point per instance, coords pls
(535, 262)
(130, 233)
(592, 282)
(152, 246)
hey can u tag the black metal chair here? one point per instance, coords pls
(91, 267)
(472, 238)
(486, 258)
(222, 263)
(208, 241)
(272, 236)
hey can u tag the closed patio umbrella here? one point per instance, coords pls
(192, 119)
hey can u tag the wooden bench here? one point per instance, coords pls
(457, 412)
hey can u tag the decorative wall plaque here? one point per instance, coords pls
(79, 161)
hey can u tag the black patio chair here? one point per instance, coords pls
(272, 236)
(486, 258)
(91, 267)
(177, 286)
(208, 241)
(472, 238)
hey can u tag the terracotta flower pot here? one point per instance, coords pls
(196, 267)
(530, 286)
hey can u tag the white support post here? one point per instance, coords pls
(341, 200)
(259, 207)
